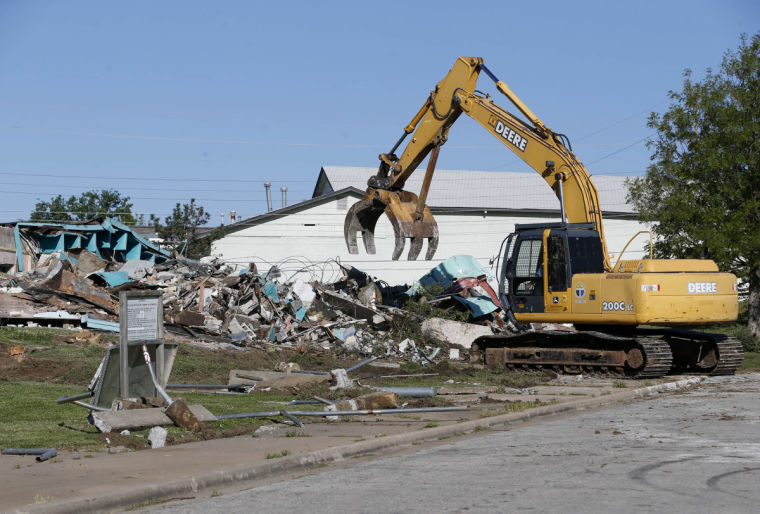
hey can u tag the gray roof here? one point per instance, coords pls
(480, 189)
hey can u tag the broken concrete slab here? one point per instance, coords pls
(137, 269)
(454, 390)
(244, 376)
(88, 262)
(110, 421)
(455, 332)
(372, 401)
(291, 382)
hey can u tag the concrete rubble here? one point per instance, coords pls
(77, 286)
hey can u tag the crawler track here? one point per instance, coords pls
(730, 356)
(659, 358)
(701, 352)
(649, 354)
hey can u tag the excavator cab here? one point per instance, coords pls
(538, 269)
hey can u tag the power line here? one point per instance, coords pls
(109, 178)
(624, 148)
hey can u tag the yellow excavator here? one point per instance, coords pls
(631, 318)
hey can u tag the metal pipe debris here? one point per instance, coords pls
(307, 372)
(402, 376)
(89, 406)
(375, 412)
(357, 366)
(292, 418)
(66, 399)
(42, 454)
(153, 376)
(208, 386)
(410, 392)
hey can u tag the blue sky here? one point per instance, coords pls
(166, 101)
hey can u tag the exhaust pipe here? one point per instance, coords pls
(267, 186)
(284, 191)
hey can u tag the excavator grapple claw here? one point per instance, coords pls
(400, 207)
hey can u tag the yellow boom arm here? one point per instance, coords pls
(541, 148)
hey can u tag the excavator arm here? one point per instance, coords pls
(545, 151)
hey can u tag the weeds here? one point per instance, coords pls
(296, 433)
(283, 453)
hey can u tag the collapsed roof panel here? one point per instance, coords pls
(107, 238)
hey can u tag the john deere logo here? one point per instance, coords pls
(580, 290)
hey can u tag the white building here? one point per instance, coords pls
(475, 211)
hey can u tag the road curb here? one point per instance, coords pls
(258, 470)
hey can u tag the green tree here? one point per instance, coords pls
(87, 205)
(180, 229)
(702, 191)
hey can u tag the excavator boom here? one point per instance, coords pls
(545, 151)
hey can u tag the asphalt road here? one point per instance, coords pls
(697, 451)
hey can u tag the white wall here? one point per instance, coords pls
(308, 252)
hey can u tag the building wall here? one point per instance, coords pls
(306, 244)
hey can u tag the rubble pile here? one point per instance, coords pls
(211, 301)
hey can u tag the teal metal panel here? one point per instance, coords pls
(121, 241)
(19, 253)
(50, 244)
(135, 252)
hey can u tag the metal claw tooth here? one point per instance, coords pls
(363, 217)
(400, 208)
(432, 246)
(414, 248)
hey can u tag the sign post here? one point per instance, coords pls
(141, 321)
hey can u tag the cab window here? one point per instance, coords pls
(527, 281)
(556, 263)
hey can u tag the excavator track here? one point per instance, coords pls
(651, 354)
(576, 352)
(659, 358)
(730, 356)
(701, 352)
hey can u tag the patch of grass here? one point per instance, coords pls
(147, 503)
(31, 418)
(215, 494)
(296, 433)
(38, 498)
(431, 425)
(619, 384)
(751, 361)
(283, 453)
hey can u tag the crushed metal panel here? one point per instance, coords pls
(68, 283)
(106, 381)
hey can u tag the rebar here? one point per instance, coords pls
(369, 412)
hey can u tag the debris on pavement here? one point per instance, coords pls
(137, 419)
(157, 437)
(42, 454)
